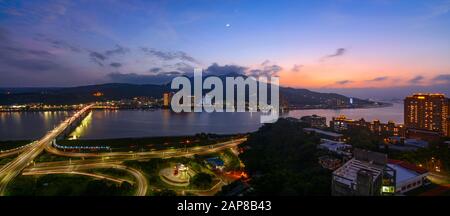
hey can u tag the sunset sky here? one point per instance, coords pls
(310, 44)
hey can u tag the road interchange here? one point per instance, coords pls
(26, 155)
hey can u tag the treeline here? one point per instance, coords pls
(282, 160)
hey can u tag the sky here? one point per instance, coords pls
(342, 46)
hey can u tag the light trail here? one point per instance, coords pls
(13, 168)
(68, 167)
(99, 160)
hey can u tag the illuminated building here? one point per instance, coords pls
(408, 176)
(336, 147)
(427, 112)
(315, 121)
(342, 123)
(181, 171)
(329, 162)
(367, 174)
(166, 99)
(97, 94)
(216, 163)
(324, 134)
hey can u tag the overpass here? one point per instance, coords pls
(13, 168)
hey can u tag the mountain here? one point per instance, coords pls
(81, 94)
(295, 98)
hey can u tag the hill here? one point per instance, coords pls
(294, 98)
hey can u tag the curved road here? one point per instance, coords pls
(152, 154)
(8, 153)
(102, 160)
(141, 181)
(13, 168)
(93, 175)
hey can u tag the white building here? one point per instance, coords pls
(337, 147)
(408, 176)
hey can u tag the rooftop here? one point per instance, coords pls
(338, 147)
(408, 166)
(327, 133)
(215, 161)
(347, 173)
(405, 171)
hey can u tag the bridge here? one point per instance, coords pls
(28, 154)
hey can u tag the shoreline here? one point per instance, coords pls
(346, 108)
(158, 108)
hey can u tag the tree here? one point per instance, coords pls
(282, 160)
(202, 180)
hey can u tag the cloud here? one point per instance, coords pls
(142, 79)
(416, 80)
(3, 35)
(118, 50)
(97, 57)
(185, 68)
(267, 69)
(22, 58)
(218, 70)
(297, 68)
(155, 70)
(13, 12)
(24, 52)
(168, 56)
(379, 79)
(60, 44)
(27, 65)
(100, 57)
(33, 64)
(339, 52)
(343, 82)
(442, 78)
(115, 65)
(265, 63)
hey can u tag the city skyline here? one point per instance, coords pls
(335, 46)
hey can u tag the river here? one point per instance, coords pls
(140, 123)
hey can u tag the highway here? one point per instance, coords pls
(27, 154)
(182, 152)
(69, 167)
(10, 152)
(13, 168)
(93, 175)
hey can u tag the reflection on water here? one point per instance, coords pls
(29, 125)
(102, 124)
(137, 123)
(384, 114)
(82, 129)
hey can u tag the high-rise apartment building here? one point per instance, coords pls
(428, 112)
(167, 97)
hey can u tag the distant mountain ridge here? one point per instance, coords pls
(295, 98)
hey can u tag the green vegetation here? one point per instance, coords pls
(122, 174)
(232, 161)
(226, 189)
(282, 160)
(202, 180)
(363, 138)
(437, 154)
(421, 190)
(152, 167)
(151, 143)
(6, 160)
(46, 157)
(6, 145)
(165, 192)
(66, 185)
